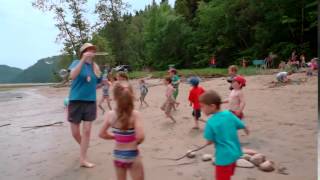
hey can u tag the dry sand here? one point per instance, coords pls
(283, 123)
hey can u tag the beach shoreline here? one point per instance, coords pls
(283, 123)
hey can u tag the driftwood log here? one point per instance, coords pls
(45, 125)
(5, 125)
(185, 155)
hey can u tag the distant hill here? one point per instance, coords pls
(41, 72)
(7, 73)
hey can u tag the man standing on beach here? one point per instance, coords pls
(85, 75)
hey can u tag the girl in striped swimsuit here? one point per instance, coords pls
(127, 132)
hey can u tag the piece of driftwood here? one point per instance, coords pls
(180, 164)
(45, 125)
(5, 125)
(185, 155)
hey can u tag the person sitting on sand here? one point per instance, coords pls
(170, 101)
(232, 71)
(194, 95)
(283, 76)
(236, 98)
(221, 130)
(127, 131)
(143, 92)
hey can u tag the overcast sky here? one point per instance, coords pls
(28, 34)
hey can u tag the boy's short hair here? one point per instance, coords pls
(168, 79)
(233, 68)
(211, 97)
(123, 75)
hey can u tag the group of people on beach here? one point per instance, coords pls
(294, 64)
(123, 123)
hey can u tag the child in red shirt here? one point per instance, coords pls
(194, 95)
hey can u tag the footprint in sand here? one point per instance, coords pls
(180, 173)
(156, 149)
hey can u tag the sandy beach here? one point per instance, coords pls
(282, 120)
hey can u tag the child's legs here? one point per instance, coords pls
(143, 99)
(168, 110)
(225, 172)
(101, 101)
(196, 114)
(108, 102)
(75, 130)
(121, 173)
(136, 169)
(164, 105)
(175, 93)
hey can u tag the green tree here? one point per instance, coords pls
(73, 33)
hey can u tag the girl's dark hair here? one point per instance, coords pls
(168, 79)
(124, 96)
(211, 97)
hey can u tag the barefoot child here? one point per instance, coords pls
(143, 92)
(170, 101)
(232, 71)
(221, 129)
(175, 83)
(127, 131)
(194, 95)
(106, 84)
(236, 97)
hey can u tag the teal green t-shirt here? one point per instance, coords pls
(221, 129)
(82, 89)
(175, 81)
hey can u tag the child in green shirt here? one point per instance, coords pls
(221, 129)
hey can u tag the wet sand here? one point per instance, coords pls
(283, 123)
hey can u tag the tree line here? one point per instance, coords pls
(189, 33)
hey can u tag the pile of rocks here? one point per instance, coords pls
(250, 159)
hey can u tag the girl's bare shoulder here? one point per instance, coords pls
(136, 113)
(110, 115)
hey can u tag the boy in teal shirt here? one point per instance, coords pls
(221, 129)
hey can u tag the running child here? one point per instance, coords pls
(106, 85)
(127, 131)
(194, 95)
(221, 130)
(143, 92)
(232, 71)
(175, 83)
(236, 100)
(170, 101)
